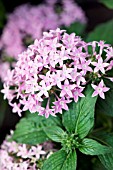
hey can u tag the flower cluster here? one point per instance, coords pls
(55, 70)
(28, 22)
(23, 157)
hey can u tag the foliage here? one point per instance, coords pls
(107, 3)
(102, 32)
(78, 28)
(70, 131)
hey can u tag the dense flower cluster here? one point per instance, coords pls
(54, 71)
(28, 22)
(23, 157)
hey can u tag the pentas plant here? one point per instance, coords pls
(28, 22)
(23, 156)
(55, 70)
(72, 133)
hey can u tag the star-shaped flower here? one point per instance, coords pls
(60, 104)
(43, 89)
(67, 89)
(100, 65)
(100, 89)
(77, 92)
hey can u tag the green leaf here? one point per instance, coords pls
(106, 106)
(103, 31)
(104, 137)
(30, 131)
(92, 147)
(55, 133)
(76, 27)
(109, 73)
(46, 121)
(61, 161)
(107, 160)
(96, 164)
(80, 117)
(107, 3)
(107, 138)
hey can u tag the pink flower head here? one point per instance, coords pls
(39, 77)
(28, 22)
(22, 156)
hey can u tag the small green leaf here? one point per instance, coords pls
(92, 147)
(55, 133)
(30, 131)
(107, 3)
(80, 117)
(98, 34)
(61, 161)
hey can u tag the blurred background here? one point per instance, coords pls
(95, 12)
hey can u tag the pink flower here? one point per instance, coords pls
(16, 108)
(84, 66)
(47, 111)
(57, 79)
(61, 104)
(44, 89)
(102, 45)
(7, 92)
(77, 92)
(47, 79)
(67, 89)
(109, 54)
(100, 89)
(65, 72)
(23, 152)
(69, 8)
(100, 65)
(37, 151)
(4, 69)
